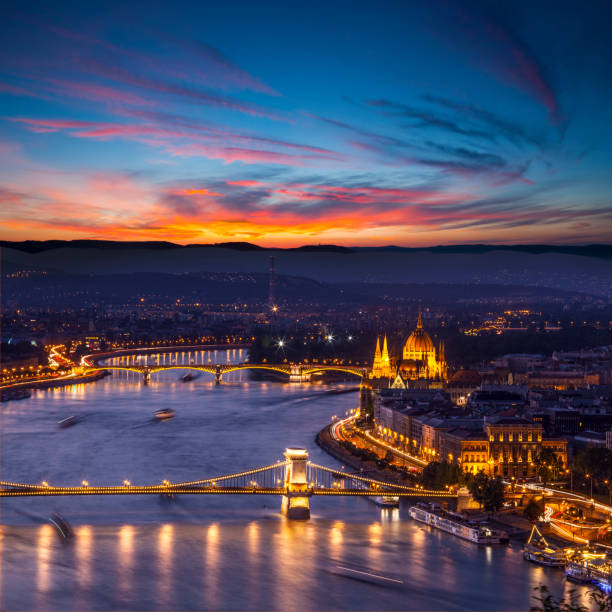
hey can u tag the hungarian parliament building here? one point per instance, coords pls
(419, 359)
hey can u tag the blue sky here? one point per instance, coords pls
(410, 123)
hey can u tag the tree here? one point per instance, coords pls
(487, 491)
(534, 509)
(477, 487)
(494, 494)
(548, 603)
(547, 465)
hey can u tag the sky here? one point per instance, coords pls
(283, 124)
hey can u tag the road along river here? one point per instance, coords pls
(216, 552)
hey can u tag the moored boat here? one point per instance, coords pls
(164, 414)
(455, 524)
(588, 566)
(538, 550)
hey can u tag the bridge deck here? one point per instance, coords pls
(50, 491)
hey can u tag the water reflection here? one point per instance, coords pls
(211, 574)
(335, 540)
(126, 560)
(83, 551)
(43, 565)
(165, 561)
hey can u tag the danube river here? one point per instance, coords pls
(216, 552)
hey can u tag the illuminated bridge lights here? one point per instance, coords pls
(321, 481)
(225, 368)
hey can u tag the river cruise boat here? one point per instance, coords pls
(451, 522)
(590, 567)
(386, 501)
(538, 550)
(163, 415)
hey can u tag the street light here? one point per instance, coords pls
(591, 478)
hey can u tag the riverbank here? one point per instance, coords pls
(325, 441)
(516, 525)
(19, 391)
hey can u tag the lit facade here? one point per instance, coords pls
(419, 358)
(508, 447)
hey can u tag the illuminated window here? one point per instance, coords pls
(509, 437)
(530, 437)
(520, 437)
(492, 438)
(501, 437)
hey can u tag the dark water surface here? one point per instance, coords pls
(216, 552)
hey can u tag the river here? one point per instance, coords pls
(216, 552)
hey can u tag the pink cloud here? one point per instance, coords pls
(185, 140)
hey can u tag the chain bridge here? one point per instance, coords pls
(296, 480)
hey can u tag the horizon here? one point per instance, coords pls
(238, 243)
(413, 126)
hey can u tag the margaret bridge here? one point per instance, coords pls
(295, 372)
(296, 480)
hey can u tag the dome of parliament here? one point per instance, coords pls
(419, 340)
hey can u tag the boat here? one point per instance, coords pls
(362, 574)
(187, 378)
(578, 571)
(456, 524)
(69, 421)
(538, 550)
(62, 525)
(164, 414)
(589, 566)
(386, 501)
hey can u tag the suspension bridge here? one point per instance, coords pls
(296, 480)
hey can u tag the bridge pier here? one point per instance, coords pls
(218, 375)
(296, 374)
(296, 502)
(146, 377)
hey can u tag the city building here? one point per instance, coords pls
(498, 445)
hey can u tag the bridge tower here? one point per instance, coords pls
(296, 504)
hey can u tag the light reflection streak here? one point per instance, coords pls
(284, 570)
(165, 541)
(336, 540)
(253, 539)
(211, 578)
(375, 537)
(126, 559)
(83, 560)
(43, 558)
